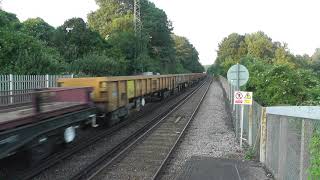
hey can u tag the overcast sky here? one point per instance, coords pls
(206, 22)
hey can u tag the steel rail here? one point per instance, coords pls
(58, 157)
(95, 168)
(164, 162)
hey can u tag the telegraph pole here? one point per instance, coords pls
(137, 29)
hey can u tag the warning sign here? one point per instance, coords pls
(242, 97)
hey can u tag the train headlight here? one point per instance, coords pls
(69, 134)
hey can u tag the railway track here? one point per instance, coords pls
(59, 157)
(145, 153)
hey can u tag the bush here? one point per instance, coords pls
(314, 168)
(98, 65)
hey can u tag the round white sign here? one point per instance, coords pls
(238, 74)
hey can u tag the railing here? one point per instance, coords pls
(14, 89)
(251, 119)
(289, 133)
(282, 137)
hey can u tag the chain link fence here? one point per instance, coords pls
(251, 118)
(291, 134)
(286, 139)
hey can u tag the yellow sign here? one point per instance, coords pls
(242, 97)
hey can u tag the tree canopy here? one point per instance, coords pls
(277, 77)
(107, 40)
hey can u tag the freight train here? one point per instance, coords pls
(51, 116)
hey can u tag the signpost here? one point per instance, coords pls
(242, 98)
(238, 75)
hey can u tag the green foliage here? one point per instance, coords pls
(78, 41)
(303, 61)
(23, 54)
(107, 45)
(315, 61)
(259, 45)
(154, 51)
(276, 76)
(157, 37)
(214, 69)
(314, 169)
(39, 29)
(112, 16)
(250, 153)
(276, 84)
(9, 21)
(97, 65)
(230, 51)
(187, 57)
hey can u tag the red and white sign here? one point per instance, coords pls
(242, 97)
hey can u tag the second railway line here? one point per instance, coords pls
(75, 163)
(144, 158)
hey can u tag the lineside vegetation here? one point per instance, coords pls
(106, 45)
(277, 77)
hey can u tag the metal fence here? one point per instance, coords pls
(251, 119)
(280, 136)
(289, 133)
(14, 89)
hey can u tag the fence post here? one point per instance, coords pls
(302, 144)
(250, 125)
(47, 81)
(229, 92)
(283, 148)
(306, 135)
(11, 88)
(263, 135)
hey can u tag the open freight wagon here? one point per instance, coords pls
(115, 96)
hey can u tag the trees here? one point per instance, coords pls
(39, 29)
(186, 55)
(24, 54)
(230, 51)
(74, 40)
(276, 75)
(156, 48)
(259, 45)
(112, 15)
(315, 61)
(9, 21)
(97, 65)
(157, 36)
(107, 45)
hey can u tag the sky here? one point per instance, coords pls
(205, 22)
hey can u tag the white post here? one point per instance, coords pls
(233, 105)
(241, 125)
(229, 93)
(230, 87)
(250, 124)
(11, 88)
(47, 81)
